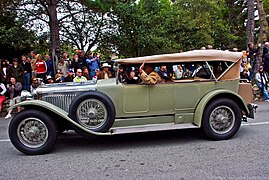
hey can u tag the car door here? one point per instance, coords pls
(148, 99)
(135, 98)
(186, 95)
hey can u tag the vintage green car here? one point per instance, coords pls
(207, 95)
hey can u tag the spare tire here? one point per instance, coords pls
(93, 110)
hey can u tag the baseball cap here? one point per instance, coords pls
(70, 70)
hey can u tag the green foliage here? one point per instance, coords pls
(266, 6)
(138, 28)
(12, 32)
(149, 27)
(68, 49)
(142, 29)
(198, 23)
(15, 40)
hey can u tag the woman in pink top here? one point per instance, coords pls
(41, 67)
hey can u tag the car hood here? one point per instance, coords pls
(66, 87)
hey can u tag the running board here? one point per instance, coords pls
(150, 128)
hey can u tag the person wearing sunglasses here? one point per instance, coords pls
(79, 77)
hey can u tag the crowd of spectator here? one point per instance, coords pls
(261, 77)
(30, 71)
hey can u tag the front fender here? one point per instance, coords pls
(56, 110)
(199, 110)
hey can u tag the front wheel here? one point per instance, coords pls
(94, 111)
(221, 119)
(33, 132)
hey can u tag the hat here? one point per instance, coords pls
(70, 70)
(106, 65)
(49, 77)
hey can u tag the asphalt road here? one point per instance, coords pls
(182, 154)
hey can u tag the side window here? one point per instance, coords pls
(183, 71)
(203, 71)
(129, 75)
(219, 67)
(192, 71)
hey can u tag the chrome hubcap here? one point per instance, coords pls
(222, 119)
(91, 113)
(32, 132)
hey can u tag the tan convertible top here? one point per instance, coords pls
(196, 55)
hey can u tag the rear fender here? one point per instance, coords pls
(199, 110)
(56, 110)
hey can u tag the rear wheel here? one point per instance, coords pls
(221, 119)
(33, 132)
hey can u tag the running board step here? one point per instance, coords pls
(150, 128)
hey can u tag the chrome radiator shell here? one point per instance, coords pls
(62, 101)
(62, 94)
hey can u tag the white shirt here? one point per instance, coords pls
(5, 70)
(4, 89)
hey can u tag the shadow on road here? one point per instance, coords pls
(70, 141)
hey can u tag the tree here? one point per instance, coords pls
(250, 21)
(263, 31)
(262, 37)
(84, 24)
(198, 23)
(42, 11)
(142, 28)
(14, 38)
(72, 21)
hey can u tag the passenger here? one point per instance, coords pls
(79, 77)
(179, 72)
(163, 72)
(122, 75)
(132, 79)
(148, 75)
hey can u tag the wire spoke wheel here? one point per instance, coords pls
(91, 113)
(222, 119)
(94, 111)
(32, 132)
